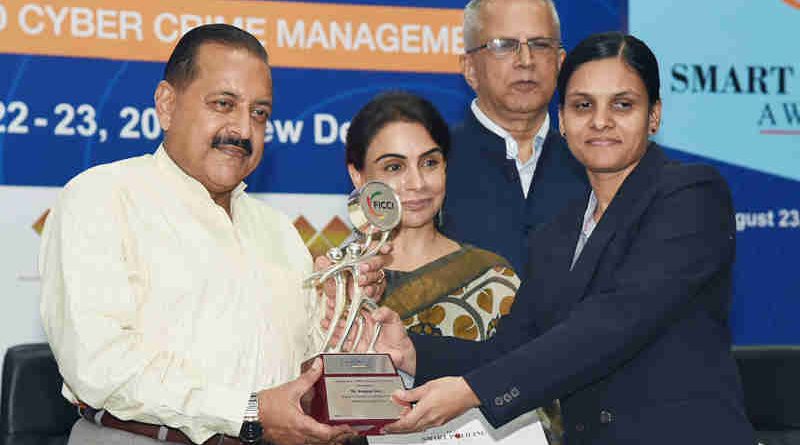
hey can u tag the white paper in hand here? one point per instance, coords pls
(472, 428)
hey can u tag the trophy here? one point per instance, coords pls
(355, 388)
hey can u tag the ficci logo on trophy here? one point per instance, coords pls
(378, 207)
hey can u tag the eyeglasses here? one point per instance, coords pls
(505, 46)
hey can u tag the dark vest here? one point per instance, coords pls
(484, 205)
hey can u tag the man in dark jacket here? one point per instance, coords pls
(509, 171)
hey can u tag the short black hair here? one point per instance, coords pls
(181, 69)
(632, 51)
(387, 108)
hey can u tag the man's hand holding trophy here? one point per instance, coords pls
(355, 388)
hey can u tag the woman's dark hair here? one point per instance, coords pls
(629, 49)
(387, 108)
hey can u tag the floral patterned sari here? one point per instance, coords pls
(462, 294)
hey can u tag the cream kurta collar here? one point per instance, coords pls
(191, 185)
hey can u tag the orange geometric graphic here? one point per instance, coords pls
(304, 228)
(38, 225)
(318, 243)
(793, 3)
(318, 246)
(336, 231)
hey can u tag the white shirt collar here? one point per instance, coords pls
(588, 216)
(587, 227)
(527, 169)
(500, 131)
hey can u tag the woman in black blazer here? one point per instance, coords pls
(623, 311)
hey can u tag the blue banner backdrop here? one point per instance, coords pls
(61, 115)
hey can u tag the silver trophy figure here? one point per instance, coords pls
(374, 211)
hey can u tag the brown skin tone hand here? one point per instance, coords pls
(282, 417)
(436, 403)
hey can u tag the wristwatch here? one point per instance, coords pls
(251, 431)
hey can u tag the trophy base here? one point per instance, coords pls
(356, 390)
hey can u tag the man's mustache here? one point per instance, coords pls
(233, 140)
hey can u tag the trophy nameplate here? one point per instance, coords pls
(355, 388)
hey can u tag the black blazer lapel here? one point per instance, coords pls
(625, 205)
(551, 249)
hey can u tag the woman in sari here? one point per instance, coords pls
(437, 285)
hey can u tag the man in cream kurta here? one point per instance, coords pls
(180, 311)
(171, 297)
